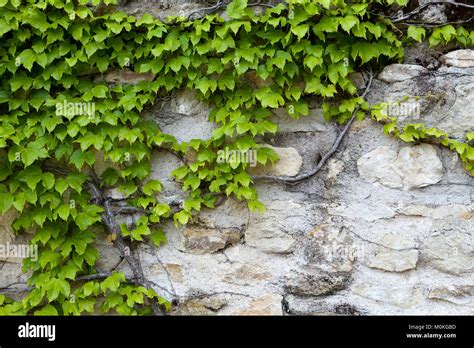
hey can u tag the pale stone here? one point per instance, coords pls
(202, 239)
(450, 252)
(199, 306)
(459, 58)
(269, 304)
(173, 270)
(272, 241)
(399, 296)
(335, 167)
(401, 72)
(458, 294)
(126, 77)
(289, 164)
(395, 261)
(413, 167)
(457, 211)
(186, 103)
(315, 282)
(9, 241)
(245, 274)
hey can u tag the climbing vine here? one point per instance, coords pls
(58, 121)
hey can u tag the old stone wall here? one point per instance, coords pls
(384, 228)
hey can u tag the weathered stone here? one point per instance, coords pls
(186, 103)
(319, 306)
(289, 164)
(200, 306)
(458, 294)
(335, 167)
(440, 212)
(269, 304)
(272, 241)
(450, 252)
(395, 261)
(401, 296)
(12, 248)
(315, 282)
(174, 271)
(413, 166)
(126, 77)
(401, 72)
(245, 274)
(459, 58)
(202, 239)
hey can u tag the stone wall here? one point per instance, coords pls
(384, 228)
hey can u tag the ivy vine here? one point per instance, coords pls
(57, 120)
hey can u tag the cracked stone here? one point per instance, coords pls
(245, 274)
(462, 295)
(401, 72)
(315, 282)
(413, 167)
(459, 58)
(269, 304)
(394, 260)
(289, 164)
(202, 239)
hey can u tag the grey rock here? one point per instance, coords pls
(459, 58)
(401, 72)
(315, 282)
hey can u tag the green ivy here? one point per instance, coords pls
(57, 120)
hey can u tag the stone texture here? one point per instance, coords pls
(289, 164)
(126, 77)
(246, 274)
(460, 294)
(459, 58)
(395, 261)
(401, 72)
(451, 251)
(202, 239)
(269, 304)
(399, 296)
(413, 166)
(315, 282)
(313, 251)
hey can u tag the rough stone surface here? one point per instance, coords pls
(315, 283)
(289, 164)
(459, 58)
(395, 261)
(269, 304)
(384, 228)
(200, 240)
(401, 72)
(412, 167)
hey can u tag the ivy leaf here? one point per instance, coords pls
(416, 33)
(348, 22)
(27, 58)
(31, 175)
(48, 310)
(88, 216)
(236, 8)
(152, 186)
(158, 237)
(112, 282)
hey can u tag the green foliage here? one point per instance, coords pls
(53, 115)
